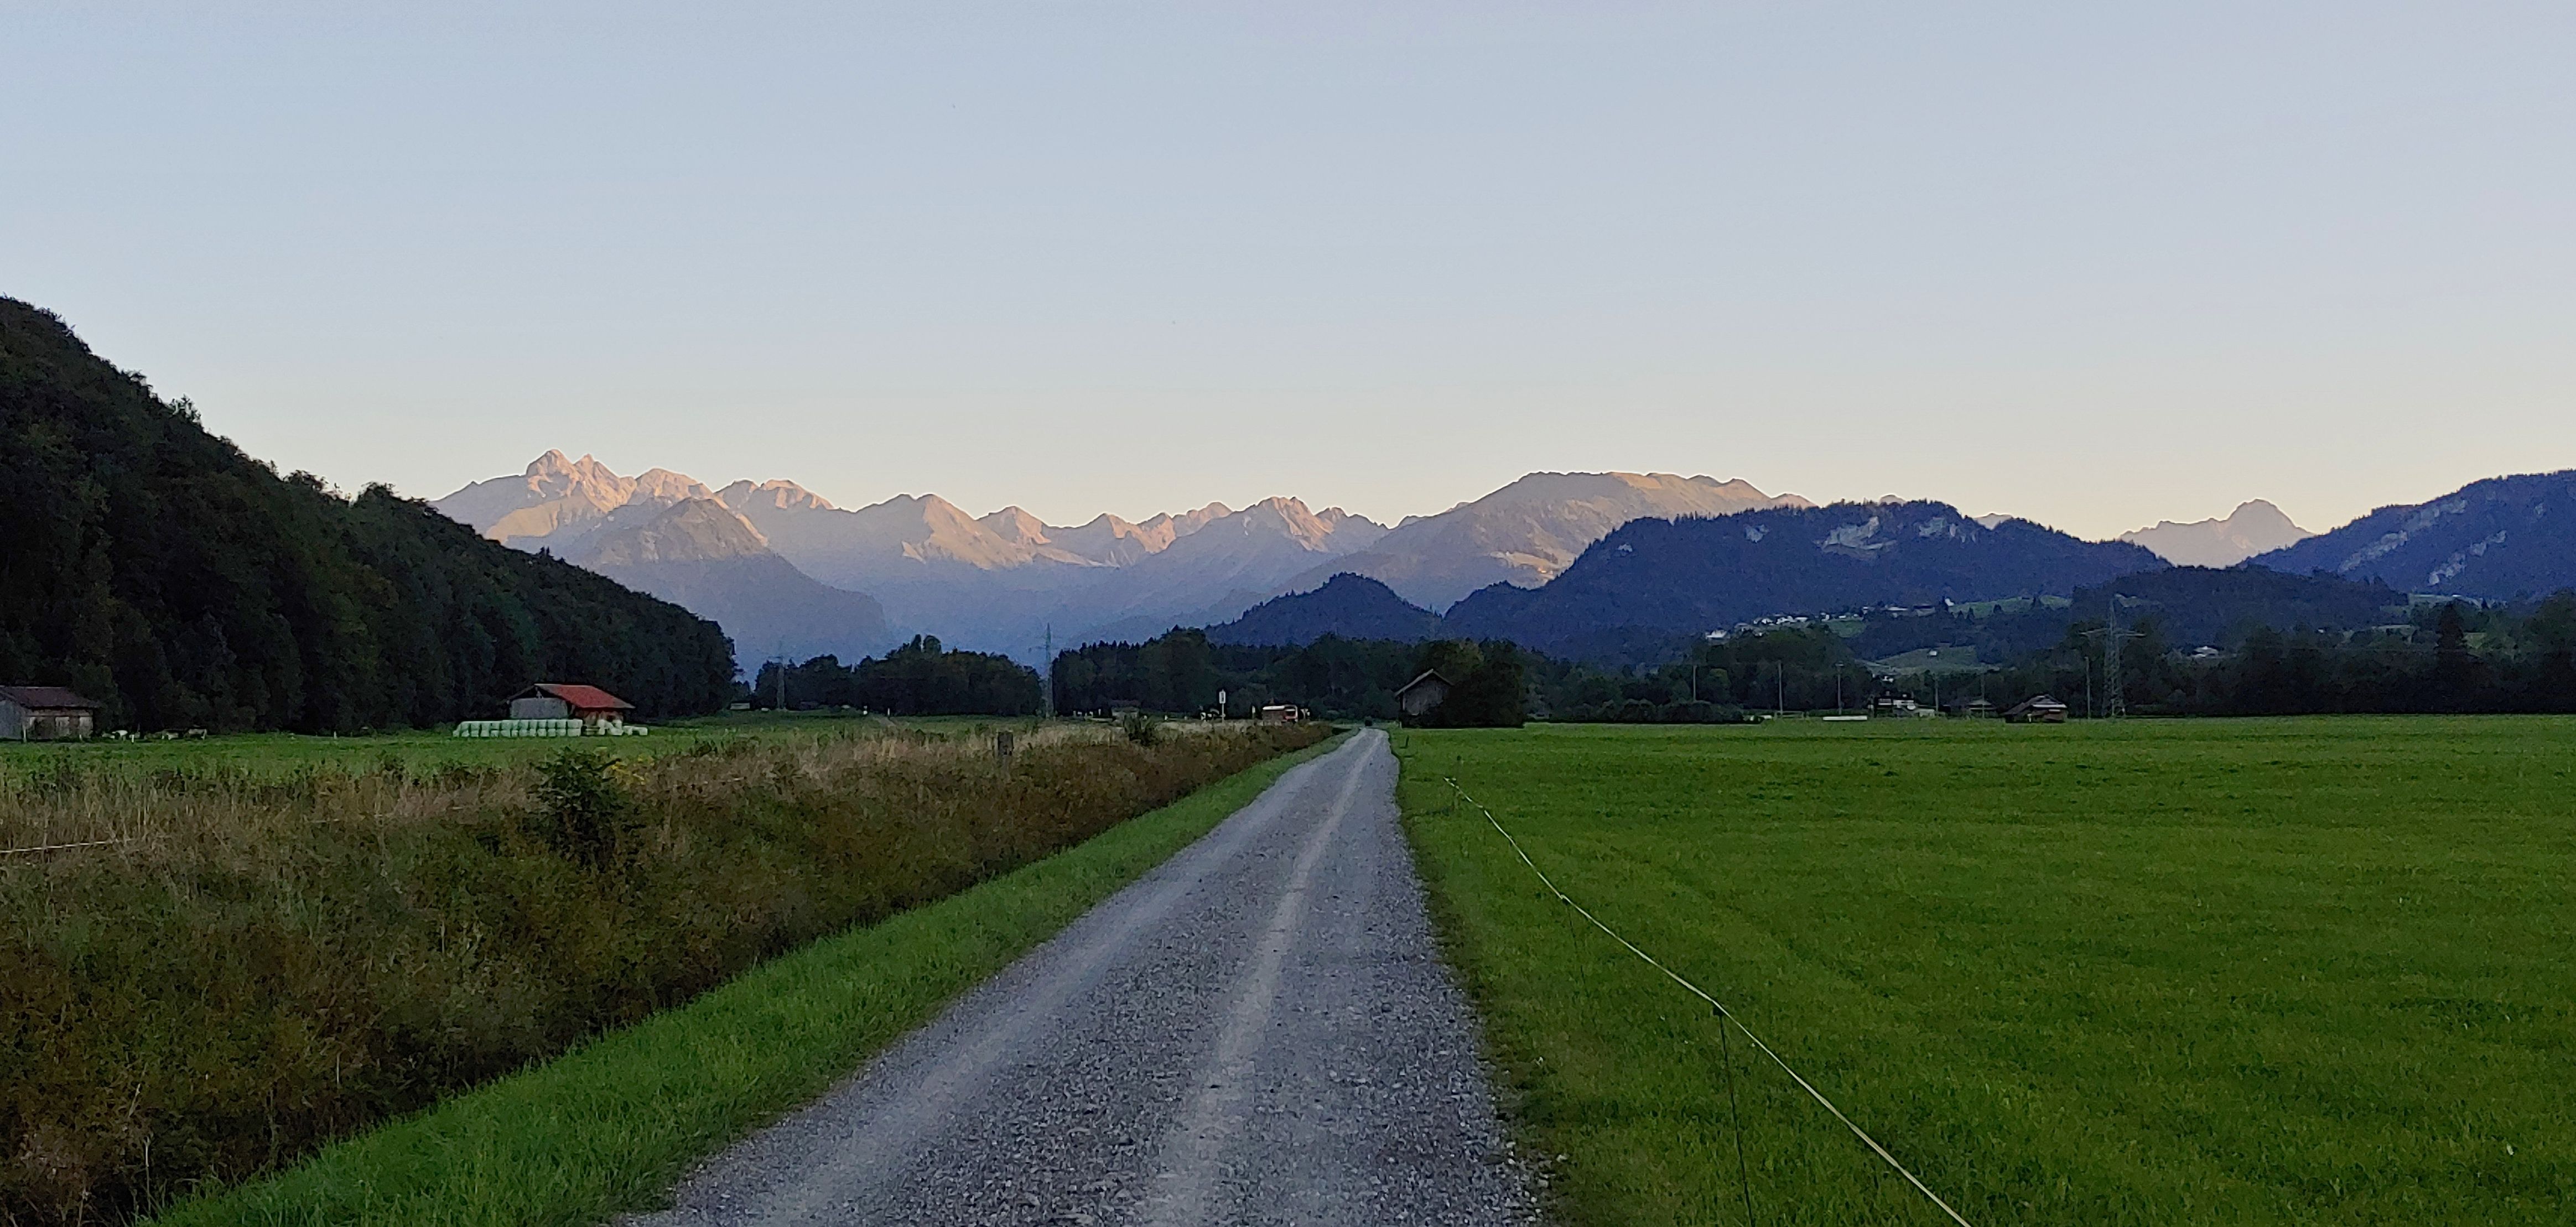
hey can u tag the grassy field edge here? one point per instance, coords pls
(609, 1126)
(1421, 791)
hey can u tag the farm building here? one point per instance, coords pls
(2039, 709)
(1422, 693)
(45, 713)
(1277, 713)
(590, 705)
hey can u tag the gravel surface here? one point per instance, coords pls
(1259, 1031)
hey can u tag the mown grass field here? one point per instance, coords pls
(2279, 971)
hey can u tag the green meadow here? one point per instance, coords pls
(265, 754)
(2214, 972)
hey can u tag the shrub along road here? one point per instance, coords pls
(1260, 1031)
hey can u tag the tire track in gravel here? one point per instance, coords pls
(1259, 1031)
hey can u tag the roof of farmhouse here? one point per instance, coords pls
(579, 697)
(46, 696)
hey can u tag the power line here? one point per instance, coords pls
(1725, 1015)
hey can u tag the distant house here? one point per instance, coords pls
(1277, 713)
(45, 713)
(591, 705)
(1973, 709)
(1422, 693)
(2038, 709)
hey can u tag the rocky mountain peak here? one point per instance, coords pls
(2255, 527)
(690, 530)
(1016, 526)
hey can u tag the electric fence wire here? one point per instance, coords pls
(1723, 1013)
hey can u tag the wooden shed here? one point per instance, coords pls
(2039, 709)
(45, 713)
(569, 701)
(1422, 693)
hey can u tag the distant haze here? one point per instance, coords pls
(2094, 265)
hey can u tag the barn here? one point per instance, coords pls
(2041, 709)
(590, 705)
(45, 713)
(1422, 693)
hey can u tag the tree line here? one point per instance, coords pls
(2450, 657)
(1182, 672)
(920, 678)
(2454, 657)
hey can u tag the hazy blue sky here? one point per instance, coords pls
(2096, 264)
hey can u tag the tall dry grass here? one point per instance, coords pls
(262, 963)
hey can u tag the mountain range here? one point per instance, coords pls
(1587, 564)
(1654, 580)
(2255, 527)
(2497, 539)
(1530, 531)
(1693, 576)
(1008, 581)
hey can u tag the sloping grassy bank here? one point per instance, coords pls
(286, 961)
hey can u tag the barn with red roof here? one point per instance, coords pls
(569, 701)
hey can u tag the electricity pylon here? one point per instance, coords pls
(2114, 704)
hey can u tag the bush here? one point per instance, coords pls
(1140, 728)
(585, 814)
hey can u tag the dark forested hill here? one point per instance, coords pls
(1351, 606)
(2502, 538)
(1690, 576)
(154, 567)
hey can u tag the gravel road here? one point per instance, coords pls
(1259, 1031)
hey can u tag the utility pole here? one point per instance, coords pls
(2114, 705)
(1046, 677)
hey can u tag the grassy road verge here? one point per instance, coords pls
(2209, 972)
(609, 1127)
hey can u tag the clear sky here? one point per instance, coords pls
(2094, 264)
